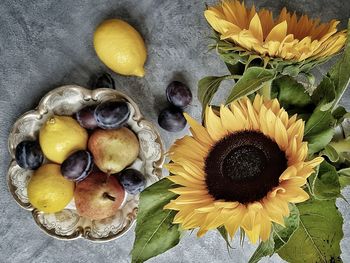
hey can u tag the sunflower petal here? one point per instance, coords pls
(198, 131)
(278, 33)
(214, 126)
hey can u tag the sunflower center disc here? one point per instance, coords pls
(244, 167)
(243, 162)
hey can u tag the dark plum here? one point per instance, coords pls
(172, 119)
(112, 114)
(132, 180)
(77, 166)
(29, 155)
(104, 80)
(86, 117)
(178, 94)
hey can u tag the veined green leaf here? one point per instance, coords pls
(324, 94)
(344, 172)
(344, 181)
(279, 237)
(319, 130)
(292, 70)
(290, 93)
(317, 142)
(326, 185)
(264, 249)
(340, 72)
(283, 234)
(155, 232)
(318, 236)
(207, 87)
(252, 80)
(331, 153)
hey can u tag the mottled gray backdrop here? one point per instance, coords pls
(48, 43)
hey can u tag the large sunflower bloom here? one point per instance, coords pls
(241, 170)
(287, 36)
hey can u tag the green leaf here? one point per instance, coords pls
(252, 80)
(279, 237)
(290, 92)
(341, 146)
(318, 236)
(223, 232)
(207, 87)
(326, 184)
(319, 130)
(283, 234)
(264, 249)
(331, 153)
(340, 72)
(291, 70)
(344, 181)
(318, 141)
(324, 94)
(340, 114)
(236, 69)
(344, 177)
(155, 232)
(344, 172)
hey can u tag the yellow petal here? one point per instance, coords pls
(198, 131)
(265, 228)
(234, 221)
(290, 172)
(281, 136)
(255, 28)
(214, 126)
(188, 190)
(183, 181)
(253, 116)
(229, 121)
(218, 24)
(278, 33)
(294, 194)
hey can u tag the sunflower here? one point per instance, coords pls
(241, 170)
(287, 36)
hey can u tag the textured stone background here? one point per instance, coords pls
(45, 44)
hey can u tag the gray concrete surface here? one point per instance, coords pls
(45, 44)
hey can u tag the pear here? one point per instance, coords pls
(98, 196)
(113, 150)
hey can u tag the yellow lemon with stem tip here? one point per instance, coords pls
(120, 47)
(48, 190)
(60, 136)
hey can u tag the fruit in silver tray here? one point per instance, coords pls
(113, 150)
(98, 196)
(29, 155)
(86, 117)
(132, 180)
(77, 166)
(112, 114)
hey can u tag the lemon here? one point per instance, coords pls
(120, 47)
(60, 136)
(48, 190)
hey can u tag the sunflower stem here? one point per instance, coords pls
(266, 89)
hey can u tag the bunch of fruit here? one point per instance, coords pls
(179, 96)
(88, 157)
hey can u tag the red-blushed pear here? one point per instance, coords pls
(98, 196)
(113, 150)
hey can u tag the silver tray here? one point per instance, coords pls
(67, 224)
